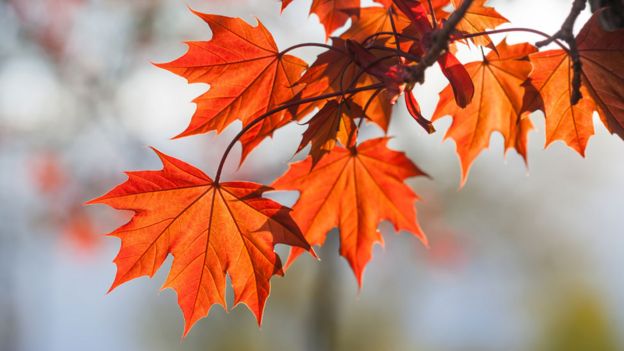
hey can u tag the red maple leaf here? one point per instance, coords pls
(247, 76)
(211, 229)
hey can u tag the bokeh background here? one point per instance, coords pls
(521, 258)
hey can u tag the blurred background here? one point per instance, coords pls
(521, 258)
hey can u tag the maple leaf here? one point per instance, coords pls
(353, 189)
(602, 56)
(331, 13)
(477, 19)
(211, 229)
(602, 87)
(247, 77)
(334, 122)
(497, 104)
(552, 79)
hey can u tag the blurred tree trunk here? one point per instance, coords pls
(8, 315)
(322, 331)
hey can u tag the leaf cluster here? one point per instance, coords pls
(214, 228)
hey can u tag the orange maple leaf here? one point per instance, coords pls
(210, 229)
(247, 77)
(552, 79)
(353, 189)
(497, 104)
(602, 87)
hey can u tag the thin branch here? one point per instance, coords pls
(508, 30)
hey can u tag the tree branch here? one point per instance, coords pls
(440, 41)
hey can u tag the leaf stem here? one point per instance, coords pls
(509, 30)
(320, 45)
(433, 16)
(281, 108)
